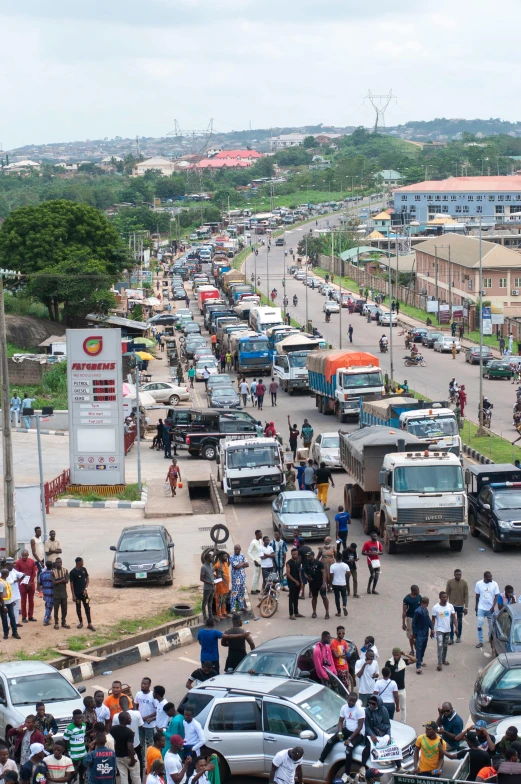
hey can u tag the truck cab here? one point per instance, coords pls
(494, 493)
(250, 467)
(437, 425)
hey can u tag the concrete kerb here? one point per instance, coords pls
(76, 503)
(475, 455)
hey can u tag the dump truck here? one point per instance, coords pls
(494, 494)
(403, 491)
(232, 276)
(340, 379)
(433, 422)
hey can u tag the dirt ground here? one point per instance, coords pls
(109, 607)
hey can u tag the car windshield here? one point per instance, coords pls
(254, 345)
(301, 506)
(43, 687)
(141, 541)
(433, 427)
(297, 360)
(224, 392)
(218, 379)
(269, 663)
(323, 708)
(206, 363)
(250, 457)
(428, 479)
(330, 442)
(507, 499)
(361, 380)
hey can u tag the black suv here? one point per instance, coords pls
(497, 691)
(144, 554)
(205, 428)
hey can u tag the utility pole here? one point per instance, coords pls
(481, 430)
(436, 280)
(11, 543)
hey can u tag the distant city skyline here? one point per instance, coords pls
(76, 71)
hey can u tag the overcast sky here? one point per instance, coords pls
(78, 70)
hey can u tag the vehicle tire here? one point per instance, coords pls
(274, 524)
(291, 391)
(268, 606)
(407, 362)
(219, 534)
(340, 414)
(456, 546)
(472, 525)
(347, 488)
(170, 580)
(209, 452)
(320, 404)
(423, 363)
(230, 500)
(368, 519)
(183, 610)
(354, 511)
(390, 547)
(174, 400)
(497, 546)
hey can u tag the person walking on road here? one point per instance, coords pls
(293, 438)
(350, 557)
(294, 584)
(442, 616)
(280, 551)
(453, 329)
(235, 639)
(260, 391)
(373, 550)
(454, 350)
(229, 360)
(342, 519)
(457, 591)
(28, 567)
(309, 476)
(315, 574)
(244, 389)
(323, 477)
(253, 391)
(306, 432)
(274, 388)
(410, 603)
(254, 554)
(350, 333)
(79, 581)
(46, 586)
(462, 395)
(421, 627)
(339, 571)
(487, 592)
(173, 475)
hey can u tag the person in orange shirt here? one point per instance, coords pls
(156, 750)
(112, 701)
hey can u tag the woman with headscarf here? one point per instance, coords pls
(221, 571)
(269, 430)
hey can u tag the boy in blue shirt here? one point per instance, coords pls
(342, 523)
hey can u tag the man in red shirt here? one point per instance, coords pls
(29, 569)
(373, 550)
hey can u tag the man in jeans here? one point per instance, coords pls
(487, 592)
(207, 580)
(421, 626)
(458, 594)
(7, 607)
(274, 388)
(442, 616)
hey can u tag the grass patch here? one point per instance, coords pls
(130, 493)
(498, 449)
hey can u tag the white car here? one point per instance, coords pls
(445, 344)
(23, 684)
(326, 289)
(166, 392)
(331, 306)
(299, 275)
(210, 364)
(386, 319)
(326, 449)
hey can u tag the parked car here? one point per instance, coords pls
(299, 509)
(497, 690)
(386, 319)
(210, 365)
(248, 719)
(184, 312)
(144, 554)
(472, 354)
(327, 449)
(300, 275)
(23, 684)
(166, 392)
(445, 344)
(429, 338)
(359, 305)
(331, 306)
(506, 630)
(498, 368)
(162, 319)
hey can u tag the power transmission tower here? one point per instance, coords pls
(379, 104)
(197, 141)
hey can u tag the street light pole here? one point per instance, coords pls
(481, 430)
(306, 263)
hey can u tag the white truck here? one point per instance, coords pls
(401, 490)
(263, 317)
(250, 467)
(289, 361)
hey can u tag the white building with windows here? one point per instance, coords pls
(493, 199)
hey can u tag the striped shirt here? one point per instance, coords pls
(75, 737)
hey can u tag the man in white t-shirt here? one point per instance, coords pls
(351, 726)
(162, 718)
(442, 614)
(339, 571)
(387, 690)
(173, 762)
(146, 705)
(266, 559)
(286, 767)
(244, 390)
(366, 670)
(487, 591)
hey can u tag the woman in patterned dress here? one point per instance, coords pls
(238, 564)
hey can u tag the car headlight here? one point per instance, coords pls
(161, 564)
(505, 524)
(120, 566)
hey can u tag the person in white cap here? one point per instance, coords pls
(35, 769)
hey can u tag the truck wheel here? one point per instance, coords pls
(456, 546)
(291, 391)
(340, 414)
(209, 452)
(230, 500)
(354, 511)
(368, 518)
(347, 488)
(390, 547)
(320, 404)
(497, 546)
(472, 525)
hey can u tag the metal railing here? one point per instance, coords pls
(130, 437)
(56, 487)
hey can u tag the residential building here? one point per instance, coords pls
(389, 177)
(447, 267)
(164, 165)
(251, 156)
(492, 199)
(286, 140)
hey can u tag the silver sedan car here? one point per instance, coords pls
(445, 344)
(166, 392)
(326, 449)
(299, 509)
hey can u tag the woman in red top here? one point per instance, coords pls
(373, 550)
(173, 475)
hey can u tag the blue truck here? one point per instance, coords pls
(253, 355)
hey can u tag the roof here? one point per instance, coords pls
(291, 643)
(465, 185)
(151, 161)
(443, 220)
(493, 468)
(238, 154)
(390, 174)
(464, 251)
(404, 263)
(382, 216)
(375, 235)
(118, 321)
(215, 163)
(14, 668)
(348, 255)
(380, 436)
(51, 340)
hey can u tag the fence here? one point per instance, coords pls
(56, 487)
(130, 437)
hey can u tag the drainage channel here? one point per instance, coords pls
(201, 498)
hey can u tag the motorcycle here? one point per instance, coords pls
(453, 397)
(328, 316)
(516, 415)
(295, 300)
(487, 416)
(413, 362)
(383, 348)
(270, 596)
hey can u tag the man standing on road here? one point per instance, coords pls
(235, 639)
(244, 389)
(79, 580)
(206, 376)
(294, 584)
(373, 549)
(208, 640)
(316, 576)
(350, 333)
(260, 391)
(462, 395)
(274, 388)
(280, 551)
(207, 579)
(28, 567)
(366, 670)
(14, 578)
(7, 607)
(442, 616)
(266, 558)
(52, 546)
(38, 549)
(306, 434)
(309, 476)
(60, 578)
(350, 557)
(144, 703)
(254, 554)
(410, 603)
(342, 523)
(397, 665)
(421, 626)
(323, 477)
(487, 591)
(338, 571)
(293, 438)
(457, 591)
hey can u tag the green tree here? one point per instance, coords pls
(69, 252)
(310, 143)
(262, 168)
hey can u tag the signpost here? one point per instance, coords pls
(95, 392)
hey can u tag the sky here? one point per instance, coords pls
(106, 68)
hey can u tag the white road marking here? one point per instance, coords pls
(190, 661)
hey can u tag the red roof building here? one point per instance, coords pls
(234, 155)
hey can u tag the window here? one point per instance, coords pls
(465, 208)
(504, 621)
(508, 198)
(479, 198)
(487, 283)
(283, 720)
(500, 198)
(517, 283)
(437, 197)
(404, 198)
(453, 198)
(470, 198)
(502, 283)
(458, 207)
(444, 207)
(445, 198)
(236, 717)
(430, 198)
(479, 208)
(404, 208)
(491, 198)
(417, 198)
(500, 209)
(510, 680)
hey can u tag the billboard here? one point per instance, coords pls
(95, 392)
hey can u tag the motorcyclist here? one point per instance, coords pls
(383, 343)
(285, 302)
(453, 388)
(328, 316)
(414, 352)
(408, 339)
(295, 300)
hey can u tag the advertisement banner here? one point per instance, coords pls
(432, 306)
(496, 314)
(444, 314)
(487, 321)
(95, 393)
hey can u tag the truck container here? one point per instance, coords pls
(340, 379)
(401, 490)
(204, 293)
(494, 494)
(433, 422)
(236, 289)
(243, 308)
(233, 276)
(250, 467)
